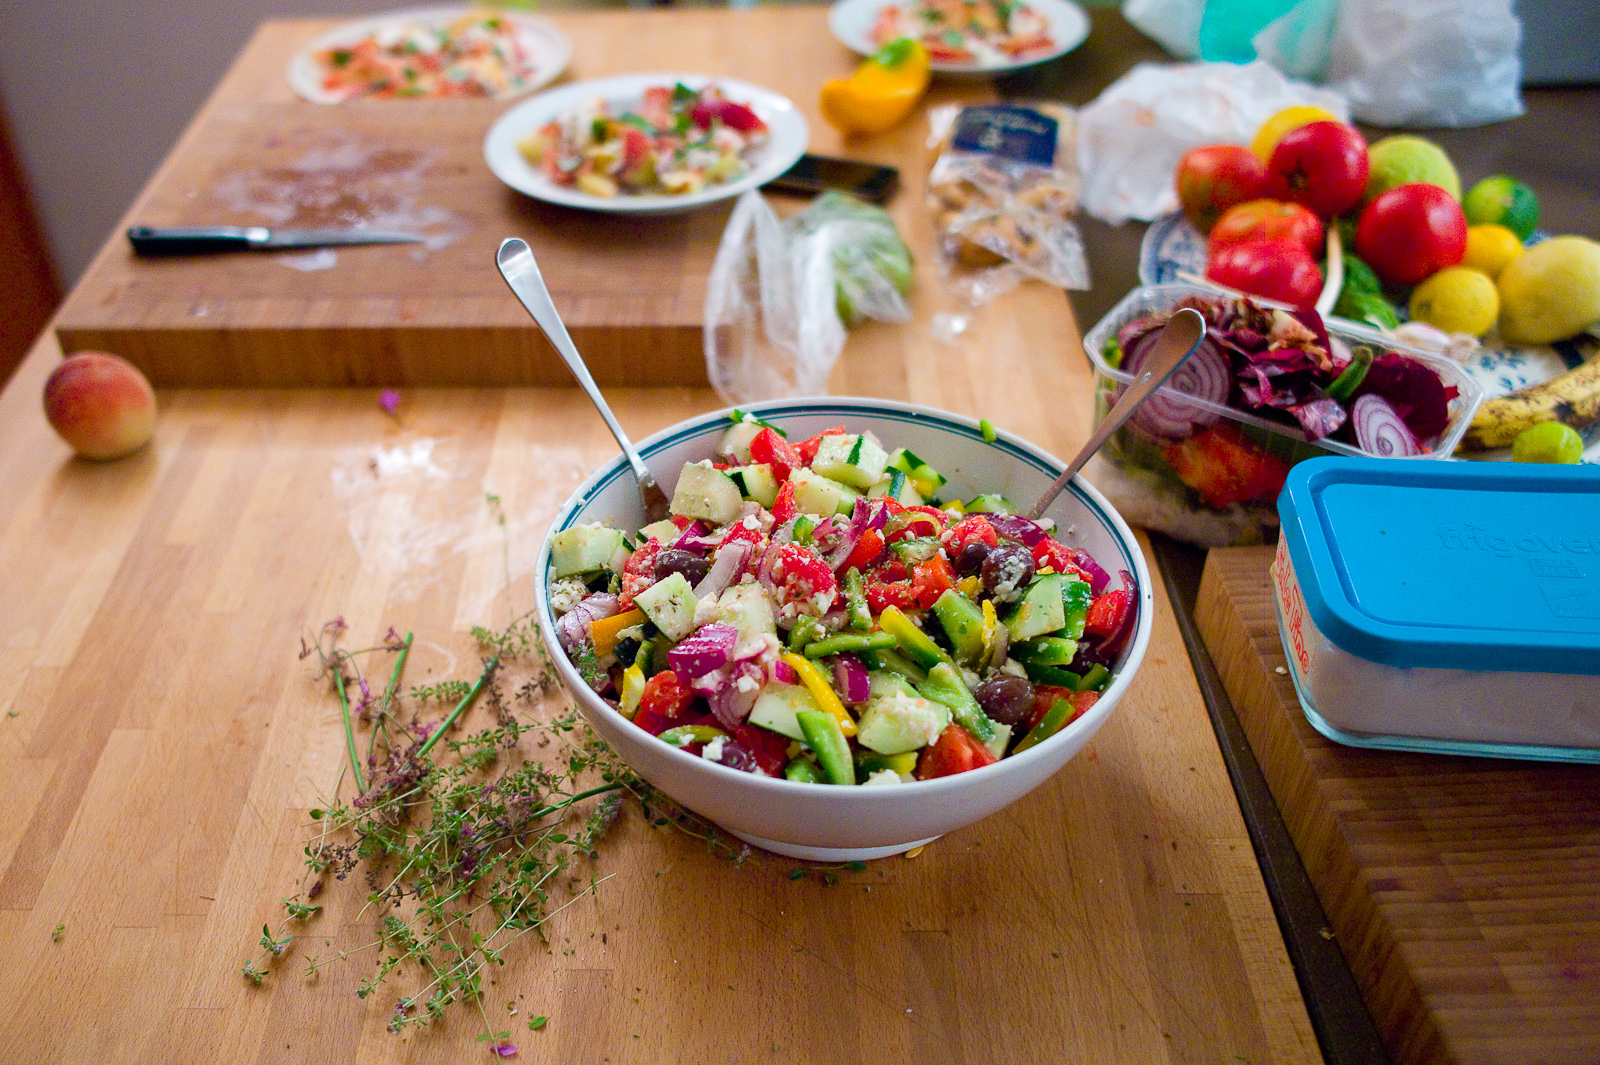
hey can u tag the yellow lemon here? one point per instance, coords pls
(1457, 300)
(1273, 129)
(1551, 291)
(1490, 249)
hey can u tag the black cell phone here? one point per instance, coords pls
(819, 173)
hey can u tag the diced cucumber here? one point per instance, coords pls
(663, 530)
(962, 621)
(735, 442)
(1076, 596)
(897, 486)
(757, 482)
(916, 549)
(898, 722)
(816, 494)
(882, 683)
(1054, 676)
(997, 742)
(585, 549)
(850, 459)
(747, 608)
(1046, 651)
(924, 478)
(990, 504)
(776, 706)
(703, 492)
(803, 528)
(670, 603)
(1040, 611)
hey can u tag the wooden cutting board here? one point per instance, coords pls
(1465, 892)
(631, 290)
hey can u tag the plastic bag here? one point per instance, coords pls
(1003, 192)
(1131, 136)
(1428, 62)
(781, 293)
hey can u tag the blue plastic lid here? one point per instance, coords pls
(1489, 566)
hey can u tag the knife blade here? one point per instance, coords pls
(200, 240)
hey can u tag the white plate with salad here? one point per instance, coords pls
(965, 36)
(431, 53)
(646, 143)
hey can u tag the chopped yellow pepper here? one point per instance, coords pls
(969, 587)
(881, 92)
(991, 621)
(604, 631)
(817, 684)
(632, 690)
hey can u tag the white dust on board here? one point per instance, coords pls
(321, 259)
(410, 514)
(334, 179)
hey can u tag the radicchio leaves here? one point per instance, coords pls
(1413, 389)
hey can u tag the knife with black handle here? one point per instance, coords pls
(206, 240)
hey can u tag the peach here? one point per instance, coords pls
(100, 404)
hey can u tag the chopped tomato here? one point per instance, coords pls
(770, 749)
(912, 522)
(975, 529)
(808, 448)
(930, 579)
(890, 585)
(638, 573)
(733, 115)
(1108, 612)
(770, 448)
(665, 695)
(784, 507)
(869, 547)
(1045, 696)
(804, 580)
(1225, 468)
(681, 521)
(955, 751)
(656, 107)
(1047, 554)
(750, 534)
(652, 722)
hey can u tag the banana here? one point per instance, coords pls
(1574, 398)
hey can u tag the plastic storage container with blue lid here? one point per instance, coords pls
(1444, 606)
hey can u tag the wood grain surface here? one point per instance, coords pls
(1464, 892)
(631, 290)
(161, 745)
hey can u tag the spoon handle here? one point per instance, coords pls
(1179, 337)
(521, 272)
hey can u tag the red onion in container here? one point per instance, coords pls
(1380, 430)
(1167, 415)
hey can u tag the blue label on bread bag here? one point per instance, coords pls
(1008, 132)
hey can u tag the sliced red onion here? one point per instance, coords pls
(850, 680)
(1380, 430)
(1016, 527)
(861, 519)
(573, 626)
(693, 531)
(707, 650)
(784, 673)
(729, 559)
(1111, 647)
(1168, 414)
(1098, 577)
(730, 699)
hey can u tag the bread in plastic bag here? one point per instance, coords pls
(1003, 192)
(781, 294)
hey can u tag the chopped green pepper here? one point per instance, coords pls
(894, 662)
(913, 641)
(805, 630)
(833, 750)
(1053, 675)
(849, 643)
(683, 735)
(1095, 679)
(1046, 651)
(855, 599)
(944, 685)
(1054, 719)
(803, 771)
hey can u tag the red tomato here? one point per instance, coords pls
(652, 722)
(1274, 267)
(1044, 697)
(784, 507)
(734, 116)
(808, 448)
(638, 573)
(665, 695)
(1225, 468)
(955, 751)
(771, 750)
(656, 107)
(869, 547)
(772, 449)
(975, 529)
(915, 521)
(930, 579)
(1107, 612)
(890, 585)
(1322, 165)
(804, 579)
(1047, 554)
(1267, 218)
(1411, 233)
(1213, 178)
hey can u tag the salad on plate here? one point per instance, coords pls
(807, 612)
(475, 55)
(967, 31)
(673, 141)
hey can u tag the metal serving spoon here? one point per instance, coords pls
(1176, 341)
(521, 272)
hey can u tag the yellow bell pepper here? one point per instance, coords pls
(991, 621)
(604, 632)
(881, 92)
(827, 699)
(633, 682)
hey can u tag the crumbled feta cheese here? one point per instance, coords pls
(706, 611)
(970, 679)
(712, 752)
(1014, 668)
(881, 778)
(747, 683)
(565, 594)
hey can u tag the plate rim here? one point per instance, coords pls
(840, 10)
(303, 72)
(515, 121)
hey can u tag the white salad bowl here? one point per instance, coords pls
(823, 822)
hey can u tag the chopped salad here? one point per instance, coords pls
(675, 141)
(807, 612)
(474, 55)
(967, 31)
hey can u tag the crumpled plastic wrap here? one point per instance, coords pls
(1131, 137)
(781, 294)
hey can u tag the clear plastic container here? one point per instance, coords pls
(1136, 471)
(1452, 608)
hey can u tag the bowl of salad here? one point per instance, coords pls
(843, 642)
(1206, 456)
(646, 143)
(965, 37)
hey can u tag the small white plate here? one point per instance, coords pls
(550, 48)
(787, 137)
(852, 20)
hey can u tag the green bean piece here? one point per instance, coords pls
(806, 629)
(855, 598)
(850, 643)
(804, 772)
(821, 730)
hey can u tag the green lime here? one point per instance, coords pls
(1502, 201)
(1548, 442)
